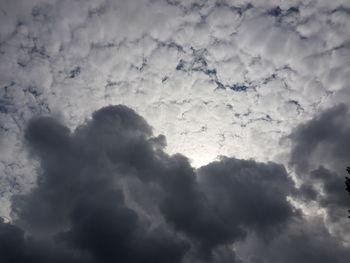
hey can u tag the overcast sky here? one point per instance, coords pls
(174, 131)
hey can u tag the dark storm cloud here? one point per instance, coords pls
(15, 247)
(320, 154)
(221, 204)
(233, 185)
(324, 136)
(108, 192)
(301, 241)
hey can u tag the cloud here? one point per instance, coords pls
(320, 154)
(301, 241)
(65, 58)
(325, 134)
(108, 191)
(215, 77)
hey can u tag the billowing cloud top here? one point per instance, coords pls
(107, 192)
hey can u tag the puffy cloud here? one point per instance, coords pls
(108, 191)
(322, 141)
(241, 62)
(320, 153)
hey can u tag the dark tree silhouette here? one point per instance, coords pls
(347, 183)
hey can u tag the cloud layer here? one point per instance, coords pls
(233, 76)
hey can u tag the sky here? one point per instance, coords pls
(174, 131)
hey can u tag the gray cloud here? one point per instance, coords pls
(108, 191)
(322, 140)
(301, 241)
(320, 153)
